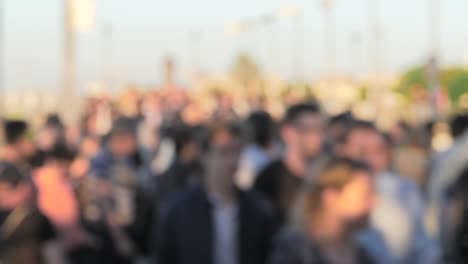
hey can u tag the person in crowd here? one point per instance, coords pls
(88, 149)
(258, 153)
(18, 148)
(331, 209)
(115, 209)
(56, 198)
(302, 132)
(185, 169)
(26, 235)
(456, 236)
(398, 215)
(335, 128)
(225, 108)
(446, 167)
(216, 223)
(54, 122)
(49, 135)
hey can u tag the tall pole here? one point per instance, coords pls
(299, 46)
(374, 39)
(2, 58)
(330, 35)
(195, 50)
(68, 103)
(355, 53)
(106, 52)
(434, 56)
(435, 27)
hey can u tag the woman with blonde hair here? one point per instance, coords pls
(330, 210)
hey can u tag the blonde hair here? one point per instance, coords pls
(337, 173)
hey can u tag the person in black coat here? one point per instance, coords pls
(302, 133)
(216, 223)
(329, 213)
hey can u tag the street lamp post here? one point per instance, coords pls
(195, 50)
(374, 39)
(330, 35)
(68, 60)
(2, 58)
(434, 56)
(299, 62)
(106, 52)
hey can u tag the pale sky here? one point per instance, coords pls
(146, 31)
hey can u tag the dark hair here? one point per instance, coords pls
(60, 152)
(124, 125)
(343, 118)
(294, 112)
(53, 120)
(14, 130)
(182, 136)
(260, 127)
(459, 125)
(11, 174)
(356, 125)
(233, 129)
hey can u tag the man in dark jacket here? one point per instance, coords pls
(26, 235)
(115, 210)
(215, 223)
(301, 131)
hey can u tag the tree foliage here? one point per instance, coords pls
(455, 80)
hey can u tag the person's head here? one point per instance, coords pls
(54, 121)
(261, 127)
(47, 138)
(15, 189)
(60, 157)
(18, 138)
(222, 150)
(122, 140)
(337, 125)
(459, 125)
(400, 132)
(363, 141)
(186, 147)
(302, 129)
(89, 146)
(342, 195)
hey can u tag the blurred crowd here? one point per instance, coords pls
(154, 178)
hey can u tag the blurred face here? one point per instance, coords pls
(306, 134)
(72, 135)
(123, 144)
(222, 160)
(13, 196)
(190, 151)
(89, 147)
(47, 138)
(354, 202)
(376, 153)
(367, 146)
(26, 147)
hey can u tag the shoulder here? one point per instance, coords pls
(275, 165)
(257, 201)
(271, 170)
(364, 257)
(409, 188)
(183, 200)
(293, 247)
(291, 237)
(42, 225)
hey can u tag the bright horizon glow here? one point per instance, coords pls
(144, 32)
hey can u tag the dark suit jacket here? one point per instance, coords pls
(186, 230)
